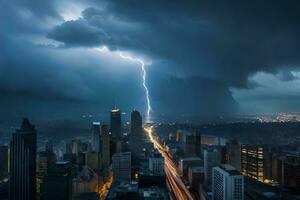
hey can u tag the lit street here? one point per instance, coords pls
(174, 181)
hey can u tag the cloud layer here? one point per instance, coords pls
(201, 52)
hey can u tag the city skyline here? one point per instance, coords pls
(164, 160)
(146, 100)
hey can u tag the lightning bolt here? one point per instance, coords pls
(144, 77)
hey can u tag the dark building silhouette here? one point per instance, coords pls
(105, 146)
(136, 133)
(44, 160)
(4, 188)
(23, 163)
(233, 154)
(192, 143)
(136, 128)
(292, 172)
(115, 123)
(57, 184)
(3, 161)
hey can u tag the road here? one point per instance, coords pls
(103, 191)
(175, 183)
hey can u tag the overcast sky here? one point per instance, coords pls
(202, 57)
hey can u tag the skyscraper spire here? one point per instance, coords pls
(26, 125)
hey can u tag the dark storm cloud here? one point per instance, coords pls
(199, 50)
(78, 33)
(222, 40)
(44, 81)
(28, 70)
(193, 96)
(36, 77)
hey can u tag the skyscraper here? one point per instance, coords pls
(233, 154)
(105, 146)
(115, 123)
(228, 183)
(136, 128)
(96, 136)
(136, 133)
(57, 184)
(22, 163)
(3, 161)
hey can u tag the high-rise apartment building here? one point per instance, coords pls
(252, 161)
(23, 163)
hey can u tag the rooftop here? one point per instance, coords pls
(197, 169)
(154, 193)
(122, 154)
(122, 187)
(190, 158)
(230, 170)
(115, 110)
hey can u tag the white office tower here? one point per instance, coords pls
(227, 183)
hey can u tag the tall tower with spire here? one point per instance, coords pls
(23, 149)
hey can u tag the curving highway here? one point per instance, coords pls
(174, 181)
